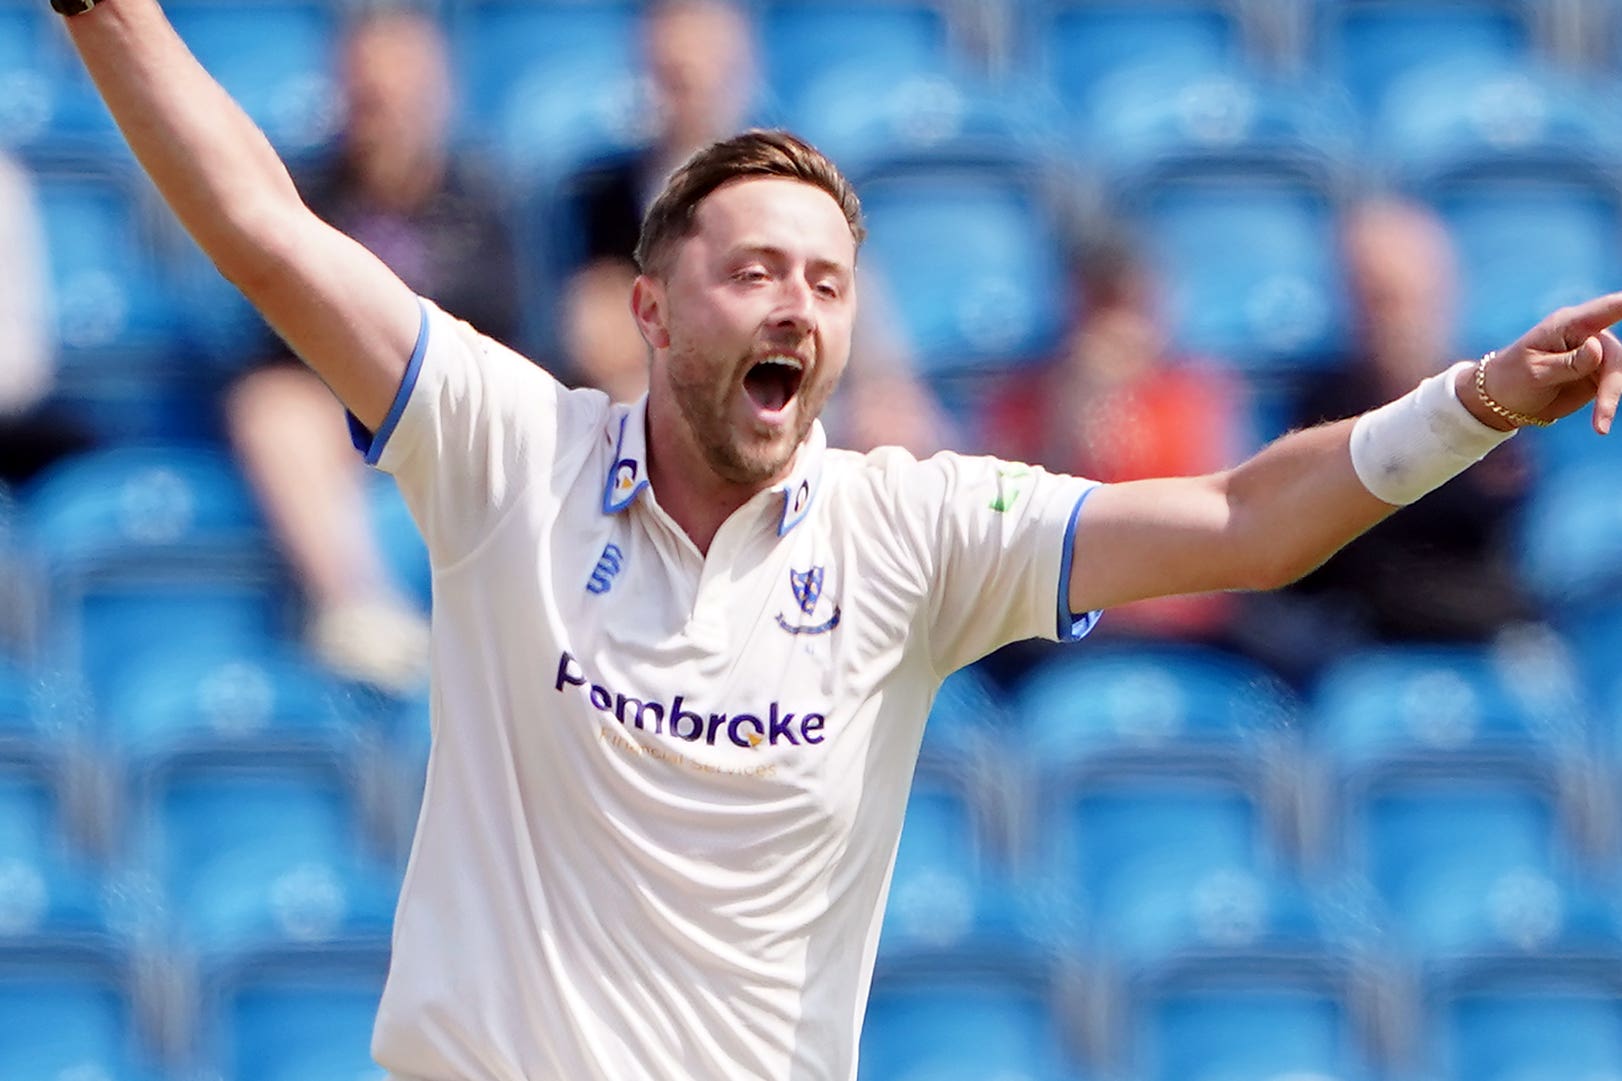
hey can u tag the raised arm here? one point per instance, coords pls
(1277, 516)
(334, 303)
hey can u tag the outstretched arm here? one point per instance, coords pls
(334, 303)
(1272, 519)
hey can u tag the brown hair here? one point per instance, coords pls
(757, 153)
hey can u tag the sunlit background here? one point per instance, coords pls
(1138, 858)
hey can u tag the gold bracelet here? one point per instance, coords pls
(1520, 420)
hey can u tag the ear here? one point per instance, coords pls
(648, 308)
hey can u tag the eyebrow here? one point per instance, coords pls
(771, 251)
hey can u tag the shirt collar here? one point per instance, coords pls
(627, 429)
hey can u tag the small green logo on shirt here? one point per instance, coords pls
(1009, 488)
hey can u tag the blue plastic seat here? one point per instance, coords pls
(276, 59)
(1163, 118)
(1078, 45)
(977, 250)
(1107, 845)
(964, 722)
(1248, 257)
(947, 892)
(870, 121)
(110, 630)
(33, 62)
(66, 1017)
(117, 505)
(298, 1018)
(1461, 705)
(964, 1023)
(1528, 244)
(112, 297)
(807, 43)
(549, 85)
(1462, 866)
(1239, 1027)
(238, 697)
(1152, 704)
(1453, 119)
(1570, 554)
(1370, 45)
(260, 857)
(1554, 1025)
(48, 890)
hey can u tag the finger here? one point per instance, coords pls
(1590, 317)
(1609, 382)
(1583, 361)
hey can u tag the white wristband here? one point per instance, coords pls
(1420, 441)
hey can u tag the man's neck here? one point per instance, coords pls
(685, 484)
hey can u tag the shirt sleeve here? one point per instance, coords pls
(1000, 569)
(471, 427)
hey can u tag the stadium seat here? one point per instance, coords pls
(944, 892)
(1369, 45)
(808, 44)
(871, 121)
(67, 1018)
(110, 628)
(977, 250)
(1148, 704)
(1462, 705)
(48, 891)
(24, 738)
(1528, 245)
(1105, 846)
(263, 855)
(115, 506)
(1453, 119)
(1238, 1024)
(1564, 1021)
(103, 267)
(276, 58)
(965, 720)
(298, 1018)
(1462, 865)
(238, 697)
(1075, 46)
(1162, 119)
(1248, 257)
(976, 1022)
(1569, 550)
(547, 85)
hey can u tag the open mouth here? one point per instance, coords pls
(772, 383)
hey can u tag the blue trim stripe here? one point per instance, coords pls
(1071, 627)
(372, 445)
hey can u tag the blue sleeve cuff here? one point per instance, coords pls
(1073, 627)
(369, 444)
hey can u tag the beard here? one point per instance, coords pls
(704, 390)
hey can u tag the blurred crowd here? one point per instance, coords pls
(1116, 390)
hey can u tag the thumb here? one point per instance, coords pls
(1582, 361)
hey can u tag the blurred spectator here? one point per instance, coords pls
(33, 431)
(1439, 571)
(391, 184)
(1117, 403)
(700, 69)
(700, 64)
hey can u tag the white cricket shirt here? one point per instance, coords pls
(665, 789)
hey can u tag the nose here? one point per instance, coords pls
(796, 306)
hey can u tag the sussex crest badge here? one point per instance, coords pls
(807, 589)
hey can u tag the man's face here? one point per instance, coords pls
(752, 327)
